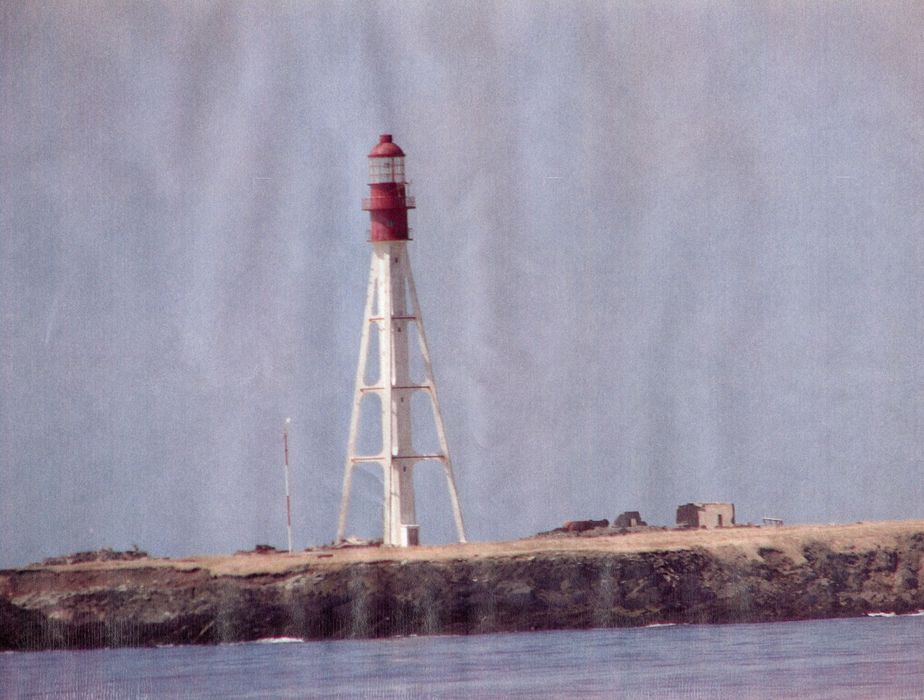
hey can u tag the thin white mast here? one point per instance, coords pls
(285, 448)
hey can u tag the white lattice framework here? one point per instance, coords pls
(391, 308)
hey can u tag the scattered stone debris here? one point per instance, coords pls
(105, 554)
(598, 530)
(356, 542)
(576, 527)
(585, 525)
(261, 549)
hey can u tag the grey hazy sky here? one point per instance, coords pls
(665, 251)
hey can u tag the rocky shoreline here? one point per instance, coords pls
(700, 577)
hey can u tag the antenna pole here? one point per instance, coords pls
(285, 448)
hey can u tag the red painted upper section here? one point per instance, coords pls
(388, 200)
(385, 148)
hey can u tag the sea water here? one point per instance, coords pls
(871, 657)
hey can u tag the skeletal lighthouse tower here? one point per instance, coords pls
(391, 308)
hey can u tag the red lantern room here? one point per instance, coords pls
(388, 200)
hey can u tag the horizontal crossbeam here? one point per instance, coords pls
(396, 458)
(407, 387)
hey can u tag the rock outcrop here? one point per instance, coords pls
(552, 586)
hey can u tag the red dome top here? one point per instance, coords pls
(386, 149)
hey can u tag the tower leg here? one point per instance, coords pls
(357, 401)
(435, 405)
(391, 515)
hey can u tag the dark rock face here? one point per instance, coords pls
(42, 608)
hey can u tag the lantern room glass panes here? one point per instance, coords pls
(386, 170)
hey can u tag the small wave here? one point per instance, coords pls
(279, 640)
(661, 624)
(917, 613)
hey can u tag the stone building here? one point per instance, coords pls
(706, 515)
(631, 518)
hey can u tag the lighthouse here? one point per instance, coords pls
(391, 311)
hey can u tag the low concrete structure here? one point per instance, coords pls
(706, 515)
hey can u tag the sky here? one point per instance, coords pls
(665, 252)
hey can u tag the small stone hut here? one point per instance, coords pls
(631, 518)
(706, 515)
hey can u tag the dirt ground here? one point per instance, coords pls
(736, 541)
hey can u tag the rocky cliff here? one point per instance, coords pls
(739, 575)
